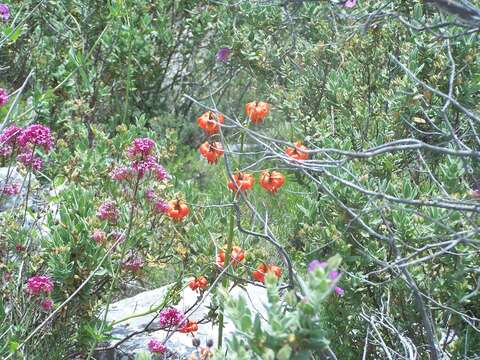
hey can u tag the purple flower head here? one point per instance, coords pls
(121, 173)
(36, 135)
(31, 161)
(10, 189)
(3, 92)
(155, 346)
(223, 54)
(142, 147)
(133, 263)
(160, 172)
(333, 275)
(150, 194)
(171, 317)
(46, 304)
(99, 236)
(316, 264)
(108, 211)
(4, 12)
(8, 138)
(39, 284)
(161, 206)
(350, 3)
(140, 167)
(339, 291)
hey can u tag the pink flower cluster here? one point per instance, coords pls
(121, 173)
(39, 284)
(25, 141)
(3, 92)
(4, 12)
(333, 275)
(134, 263)
(108, 211)
(140, 148)
(171, 317)
(140, 152)
(10, 189)
(36, 135)
(161, 206)
(99, 236)
(156, 346)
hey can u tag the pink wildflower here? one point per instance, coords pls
(148, 163)
(47, 304)
(161, 206)
(171, 317)
(39, 284)
(160, 172)
(108, 211)
(10, 189)
(350, 3)
(99, 236)
(4, 14)
(149, 194)
(156, 346)
(142, 147)
(3, 92)
(30, 161)
(133, 263)
(333, 275)
(8, 138)
(223, 54)
(36, 135)
(121, 173)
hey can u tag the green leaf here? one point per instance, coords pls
(285, 353)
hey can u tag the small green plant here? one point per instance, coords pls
(293, 327)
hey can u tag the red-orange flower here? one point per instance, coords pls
(259, 273)
(272, 180)
(237, 255)
(189, 326)
(257, 110)
(296, 152)
(211, 151)
(199, 283)
(177, 209)
(209, 121)
(243, 181)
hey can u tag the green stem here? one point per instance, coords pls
(225, 280)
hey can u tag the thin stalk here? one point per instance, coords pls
(225, 280)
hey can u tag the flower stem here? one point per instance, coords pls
(225, 280)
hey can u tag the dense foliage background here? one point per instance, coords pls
(384, 93)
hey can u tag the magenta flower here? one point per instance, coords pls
(8, 139)
(46, 304)
(39, 284)
(142, 147)
(156, 346)
(316, 264)
(350, 3)
(149, 194)
(99, 236)
(171, 317)
(121, 173)
(161, 206)
(160, 172)
(140, 167)
(134, 263)
(333, 275)
(4, 13)
(31, 161)
(223, 54)
(36, 135)
(10, 189)
(108, 211)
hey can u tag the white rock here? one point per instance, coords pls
(179, 344)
